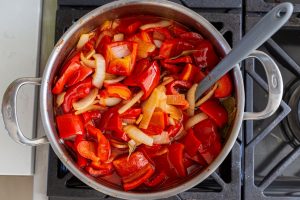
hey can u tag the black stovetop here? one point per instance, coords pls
(263, 162)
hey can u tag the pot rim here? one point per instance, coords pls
(56, 143)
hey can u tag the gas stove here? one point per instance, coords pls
(263, 162)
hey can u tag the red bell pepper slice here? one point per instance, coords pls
(174, 47)
(178, 30)
(77, 91)
(206, 56)
(170, 67)
(81, 161)
(127, 166)
(224, 87)
(153, 130)
(214, 109)
(129, 26)
(175, 156)
(132, 113)
(172, 87)
(73, 59)
(100, 165)
(60, 84)
(69, 125)
(97, 172)
(103, 148)
(118, 90)
(206, 131)
(154, 150)
(120, 65)
(79, 75)
(182, 59)
(192, 37)
(174, 129)
(191, 143)
(156, 180)
(87, 149)
(159, 119)
(91, 115)
(191, 73)
(147, 79)
(113, 122)
(140, 177)
(102, 46)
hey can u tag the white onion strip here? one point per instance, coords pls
(157, 43)
(160, 24)
(116, 80)
(137, 135)
(191, 99)
(195, 120)
(86, 101)
(110, 101)
(162, 138)
(99, 74)
(130, 103)
(207, 96)
(60, 98)
(84, 38)
(89, 108)
(87, 62)
(118, 37)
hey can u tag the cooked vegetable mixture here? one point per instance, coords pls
(125, 102)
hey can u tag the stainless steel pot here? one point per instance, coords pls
(89, 22)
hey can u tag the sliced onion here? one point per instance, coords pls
(118, 37)
(99, 75)
(117, 144)
(160, 24)
(148, 108)
(89, 108)
(173, 112)
(129, 121)
(130, 103)
(171, 121)
(181, 133)
(157, 43)
(120, 51)
(86, 101)
(84, 38)
(106, 25)
(132, 146)
(110, 101)
(195, 120)
(116, 80)
(162, 138)
(167, 80)
(115, 24)
(137, 135)
(87, 62)
(139, 119)
(191, 99)
(60, 98)
(207, 96)
(90, 54)
(109, 76)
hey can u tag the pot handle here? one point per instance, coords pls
(275, 86)
(9, 112)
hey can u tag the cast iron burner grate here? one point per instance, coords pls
(224, 183)
(272, 151)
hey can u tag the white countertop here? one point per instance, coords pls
(19, 50)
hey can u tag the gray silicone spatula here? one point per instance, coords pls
(260, 33)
